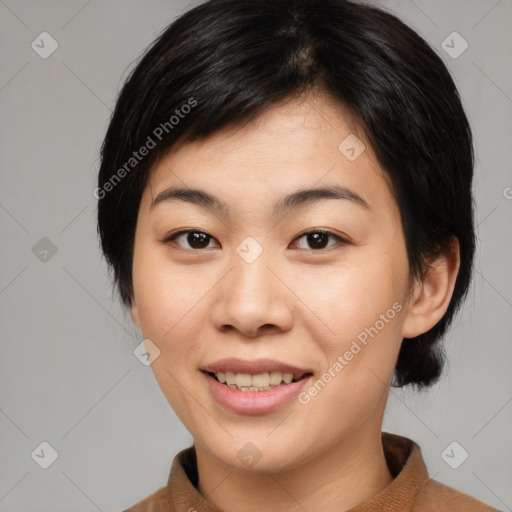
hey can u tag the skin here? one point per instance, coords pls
(295, 303)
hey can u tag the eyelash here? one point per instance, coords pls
(172, 237)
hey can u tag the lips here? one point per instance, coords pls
(253, 367)
(253, 402)
(259, 386)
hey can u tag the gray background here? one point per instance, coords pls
(68, 373)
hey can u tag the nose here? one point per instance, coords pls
(252, 299)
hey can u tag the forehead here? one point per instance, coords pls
(298, 144)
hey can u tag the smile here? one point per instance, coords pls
(259, 382)
(249, 399)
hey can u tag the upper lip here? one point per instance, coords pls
(253, 367)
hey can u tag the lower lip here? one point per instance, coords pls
(253, 402)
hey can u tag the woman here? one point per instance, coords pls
(285, 201)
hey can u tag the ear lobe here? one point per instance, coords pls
(432, 296)
(135, 313)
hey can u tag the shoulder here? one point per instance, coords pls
(436, 497)
(157, 502)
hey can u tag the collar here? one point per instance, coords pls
(403, 457)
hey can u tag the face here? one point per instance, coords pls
(249, 282)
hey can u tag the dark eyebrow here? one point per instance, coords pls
(284, 205)
(310, 195)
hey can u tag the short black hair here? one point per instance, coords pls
(225, 62)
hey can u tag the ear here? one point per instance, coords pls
(431, 297)
(134, 312)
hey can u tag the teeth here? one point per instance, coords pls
(243, 379)
(287, 377)
(276, 378)
(261, 381)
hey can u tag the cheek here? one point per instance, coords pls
(360, 333)
(163, 293)
(353, 297)
(168, 303)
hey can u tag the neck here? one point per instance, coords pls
(341, 477)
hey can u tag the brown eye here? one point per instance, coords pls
(318, 240)
(196, 239)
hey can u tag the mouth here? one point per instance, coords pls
(258, 393)
(257, 386)
(264, 381)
